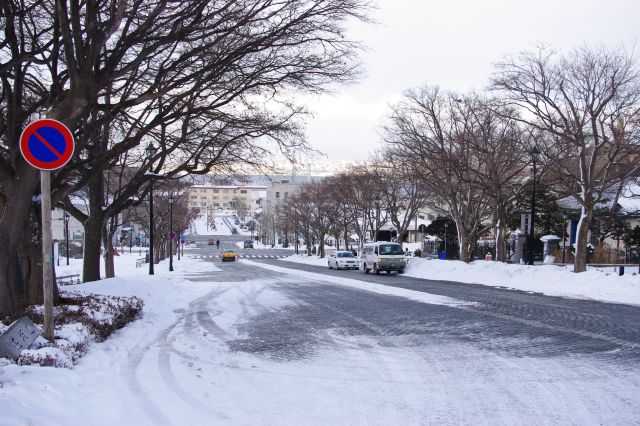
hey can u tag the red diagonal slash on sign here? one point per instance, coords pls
(61, 154)
(46, 143)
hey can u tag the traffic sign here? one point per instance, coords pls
(47, 144)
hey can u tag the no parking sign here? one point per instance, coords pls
(47, 144)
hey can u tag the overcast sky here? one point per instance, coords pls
(453, 44)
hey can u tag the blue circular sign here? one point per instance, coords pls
(47, 144)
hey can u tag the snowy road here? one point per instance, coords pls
(277, 343)
(285, 349)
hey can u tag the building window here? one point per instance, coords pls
(285, 195)
(194, 197)
(243, 191)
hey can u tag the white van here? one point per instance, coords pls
(382, 256)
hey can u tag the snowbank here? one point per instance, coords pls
(546, 279)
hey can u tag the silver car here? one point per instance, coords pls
(342, 260)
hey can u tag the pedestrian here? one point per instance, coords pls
(218, 244)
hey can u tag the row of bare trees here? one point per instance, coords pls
(208, 83)
(581, 109)
(358, 202)
(468, 156)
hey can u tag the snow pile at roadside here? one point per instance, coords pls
(546, 279)
(307, 260)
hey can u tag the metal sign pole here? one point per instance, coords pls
(47, 272)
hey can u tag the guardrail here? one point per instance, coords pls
(140, 262)
(68, 279)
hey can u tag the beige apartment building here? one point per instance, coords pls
(227, 197)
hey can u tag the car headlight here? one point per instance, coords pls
(379, 260)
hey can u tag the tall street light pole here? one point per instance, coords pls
(66, 233)
(377, 203)
(564, 229)
(535, 152)
(446, 225)
(150, 150)
(171, 232)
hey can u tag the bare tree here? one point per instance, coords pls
(587, 105)
(435, 133)
(401, 190)
(185, 69)
(502, 146)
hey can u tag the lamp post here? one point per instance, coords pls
(150, 150)
(535, 152)
(171, 232)
(377, 203)
(564, 228)
(446, 226)
(66, 218)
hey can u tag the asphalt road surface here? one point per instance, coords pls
(309, 350)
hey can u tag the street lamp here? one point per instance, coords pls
(564, 228)
(535, 153)
(66, 218)
(446, 225)
(171, 232)
(377, 203)
(150, 150)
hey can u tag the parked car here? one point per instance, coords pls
(382, 256)
(248, 244)
(211, 241)
(342, 260)
(228, 254)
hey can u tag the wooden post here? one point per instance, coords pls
(47, 272)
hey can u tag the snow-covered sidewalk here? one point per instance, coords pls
(546, 279)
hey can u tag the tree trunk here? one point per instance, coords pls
(580, 261)
(15, 217)
(321, 247)
(109, 267)
(500, 240)
(464, 240)
(308, 243)
(30, 256)
(346, 238)
(93, 228)
(12, 289)
(92, 245)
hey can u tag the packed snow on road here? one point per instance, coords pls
(250, 343)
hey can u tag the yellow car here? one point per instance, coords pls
(228, 254)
